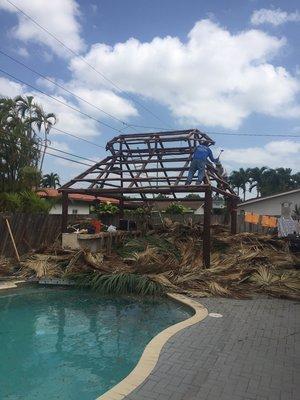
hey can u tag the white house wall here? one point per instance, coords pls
(82, 208)
(271, 206)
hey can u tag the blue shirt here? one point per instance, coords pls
(203, 153)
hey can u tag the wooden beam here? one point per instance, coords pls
(142, 189)
(206, 228)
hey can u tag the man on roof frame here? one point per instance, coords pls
(201, 154)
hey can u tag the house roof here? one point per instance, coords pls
(53, 193)
(268, 197)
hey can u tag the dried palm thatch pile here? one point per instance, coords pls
(171, 260)
(6, 267)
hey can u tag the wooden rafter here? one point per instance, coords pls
(147, 164)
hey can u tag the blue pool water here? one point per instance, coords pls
(71, 344)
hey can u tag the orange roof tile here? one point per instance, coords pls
(53, 193)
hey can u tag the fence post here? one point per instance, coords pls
(206, 228)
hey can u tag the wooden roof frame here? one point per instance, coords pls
(145, 164)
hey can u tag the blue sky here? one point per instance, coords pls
(230, 66)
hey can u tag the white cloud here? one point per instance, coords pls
(273, 17)
(215, 78)
(60, 17)
(68, 119)
(275, 154)
(47, 56)
(47, 84)
(9, 88)
(105, 100)
(22, 51)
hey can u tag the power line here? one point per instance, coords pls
(58, 150)
(66, 152)
(254, 134)
(67, 90)
(68, 159)
(60, 101)
(77, 137)
(86, 62)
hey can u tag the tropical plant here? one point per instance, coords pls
(27, 202)
(47, 120)
(256, 179)
(21, 121)
(175, 208)
(105, 208)
(30, 177)
(276, 181)
(193, 196)
(10, 202)
(32, 203)
(239, 180)
(50, 180)
(266, 180)
(119, 283)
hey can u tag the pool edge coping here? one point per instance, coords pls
(151, 353)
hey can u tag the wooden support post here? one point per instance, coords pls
(233, 216)
(12, 239)
(206, 228)
(64, 212)
(121, 208)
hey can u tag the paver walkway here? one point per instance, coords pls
(250, 353)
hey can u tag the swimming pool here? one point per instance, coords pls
(74, 344)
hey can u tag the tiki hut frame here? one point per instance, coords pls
(141, 166)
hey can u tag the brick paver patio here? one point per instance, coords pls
(249, 353)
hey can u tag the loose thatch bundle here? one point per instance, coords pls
(171, 260)
(6, 266)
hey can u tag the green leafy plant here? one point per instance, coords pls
(26, 202)
(32, 203)
(120, 283)
(105, 208)
(10, 202)
(175, 208)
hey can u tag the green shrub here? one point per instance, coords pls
(10, 202)
(105, 208)
(175, 208)
(32, 203)
(26, 202)
(120, 283)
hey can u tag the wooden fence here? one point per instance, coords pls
(33, 231)
(30, 231)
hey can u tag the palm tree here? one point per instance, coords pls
(33, 114)
(46, 120)
(256, 179)
(27, 109)
(51, 180)
(239, 180)
(276, 181)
